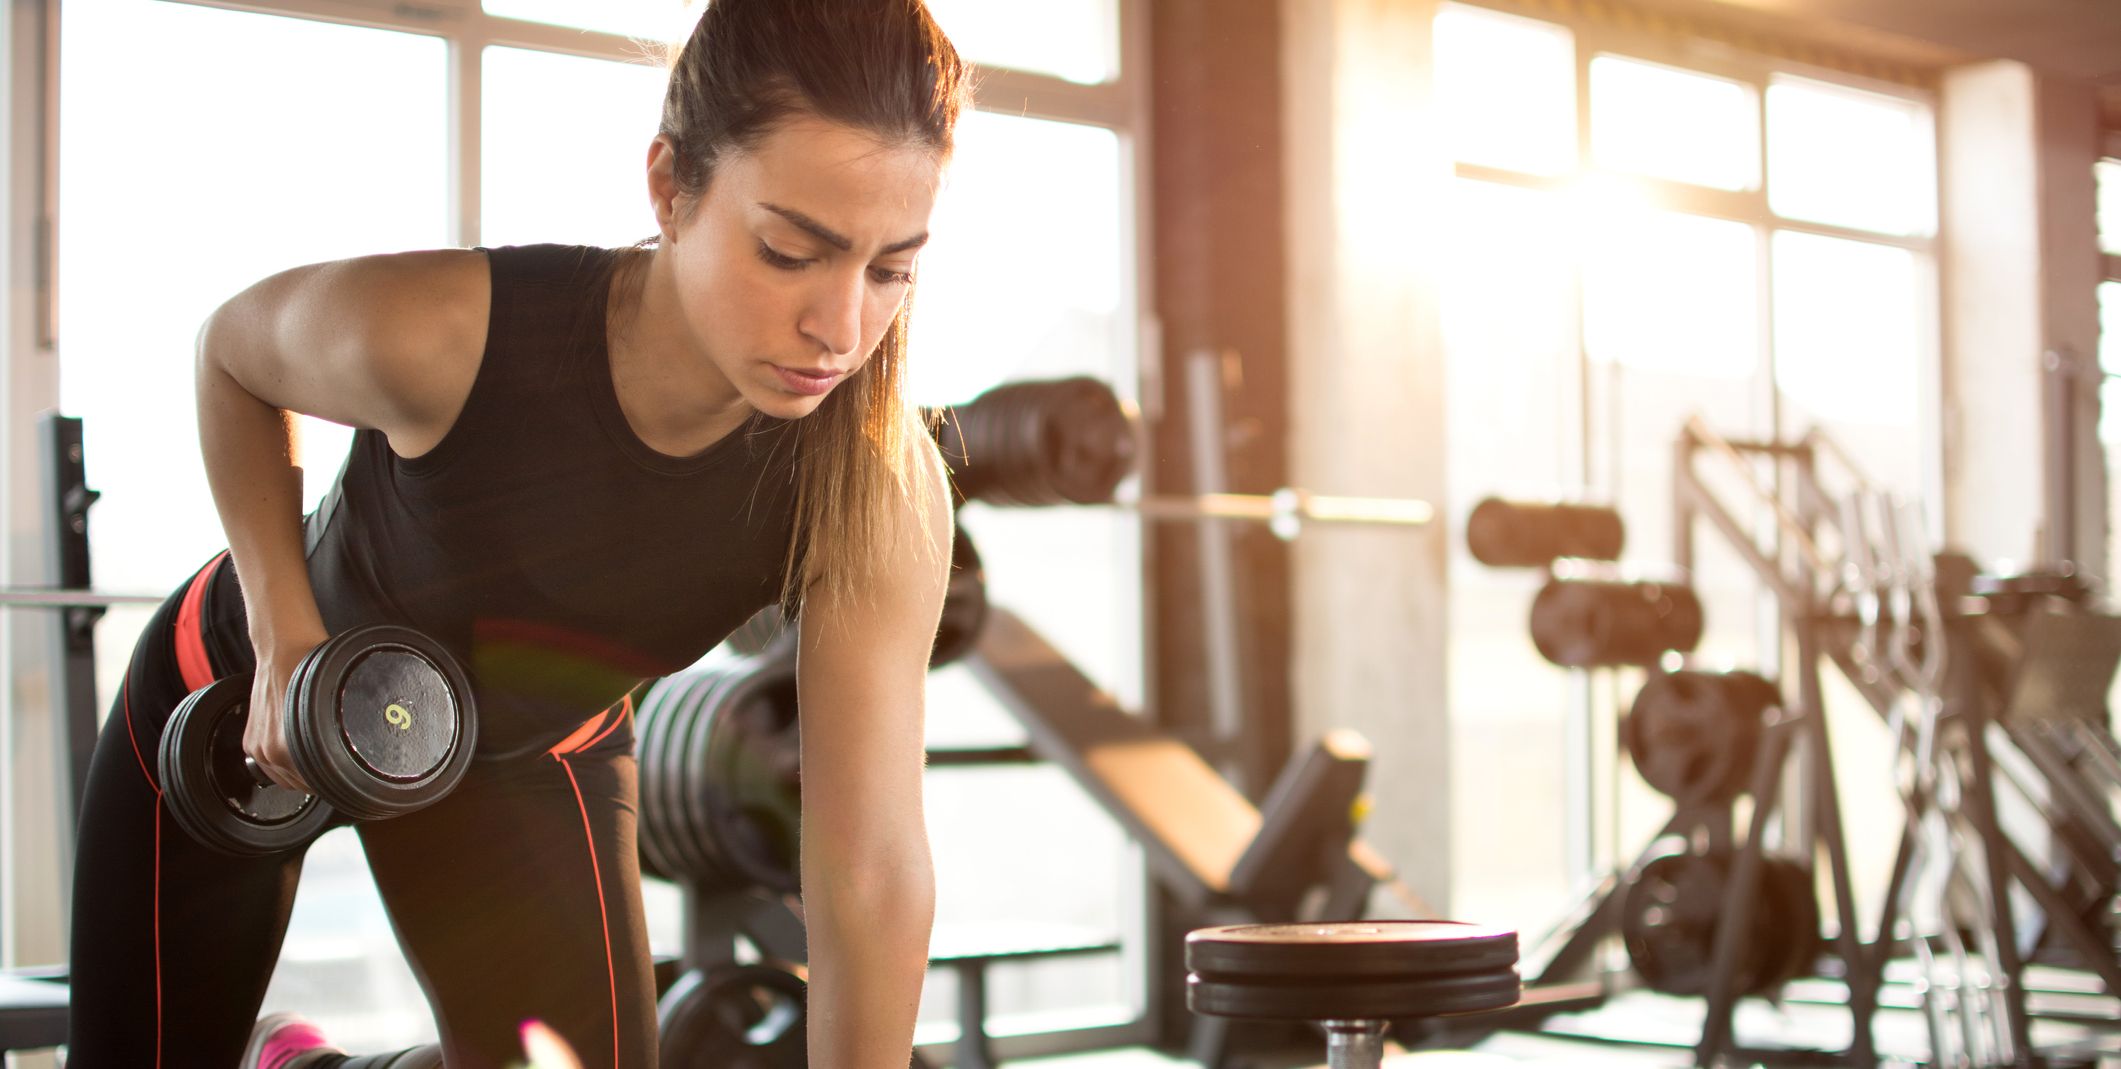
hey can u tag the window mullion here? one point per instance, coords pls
(466, 63)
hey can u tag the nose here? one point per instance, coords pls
(833, 317)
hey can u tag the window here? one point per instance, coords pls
(564, 141)
(1506, 87)
(173, 163)
(1667, 123)
(1850, 158)
(1701, 235)
(2107, 174)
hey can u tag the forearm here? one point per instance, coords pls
(248, 449)
(868, 943)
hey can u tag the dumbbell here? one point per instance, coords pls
(379, 722)
(731, 1016)
(1351, 978)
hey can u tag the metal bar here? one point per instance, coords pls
(1826, 797)
(1979, 805)
(1701, 433)
(1733, 927)
(957, 756)
(1287, 505)
(1219, 593)
(60, 598)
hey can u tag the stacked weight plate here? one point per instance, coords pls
(721, 795)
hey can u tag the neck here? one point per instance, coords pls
(674, 397)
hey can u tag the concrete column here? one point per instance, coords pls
(1365, 173)
(29, 884)
(2020, 269)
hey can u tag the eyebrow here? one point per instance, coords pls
(833, 237)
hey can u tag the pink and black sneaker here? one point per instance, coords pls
(285, 1041)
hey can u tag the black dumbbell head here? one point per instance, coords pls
(214, 796)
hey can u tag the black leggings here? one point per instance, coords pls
(516, 897)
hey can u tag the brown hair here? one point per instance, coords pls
(881, 66)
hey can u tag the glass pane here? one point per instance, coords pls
(1850, 158)
(1073, 39)
(1008, 294)
(649, 20)
(287, 149)
(1849, 339)
(2110, 327)
(1512, 405)
(1667, 123)
(2108, 174)
(1669, 291)
(1506, 88)
(565, 148)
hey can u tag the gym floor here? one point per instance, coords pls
(1643, 1029)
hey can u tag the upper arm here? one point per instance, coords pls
(862, 675)
(384, 342)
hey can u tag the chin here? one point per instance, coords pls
(787, 406)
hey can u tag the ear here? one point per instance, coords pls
(663, 193)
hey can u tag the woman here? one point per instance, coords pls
(576, 468)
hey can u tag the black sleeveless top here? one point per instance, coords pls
(563, 559)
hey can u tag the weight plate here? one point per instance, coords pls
(1670, 912)
(733, 1017)
(210, 792)
(1668, 921)
(761, 633)
(1793, 930)
(678, 708)
(1349, 949)
(1314, 999)
(652, 722)
(756, 801)
(1596, 623)
(1693, 735)
(359, 688)
(700, 803)
(964, 603)
(1529, 534)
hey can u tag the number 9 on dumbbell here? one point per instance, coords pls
(379, 722)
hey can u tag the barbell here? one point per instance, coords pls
(1073, 442)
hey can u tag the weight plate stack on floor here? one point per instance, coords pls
(1350, 970)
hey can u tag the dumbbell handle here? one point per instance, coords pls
(257, 772)
(1354, 1044)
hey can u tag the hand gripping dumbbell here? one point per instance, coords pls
(379, 722)
(1351, 978)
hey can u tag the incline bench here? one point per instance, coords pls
(1204, 842)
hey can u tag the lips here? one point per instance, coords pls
(810, 383)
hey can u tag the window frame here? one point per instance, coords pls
(1589, 837)
(32, 31)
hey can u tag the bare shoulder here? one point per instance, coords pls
(389, 341)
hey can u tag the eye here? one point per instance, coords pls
(885, 276)
(776, 259)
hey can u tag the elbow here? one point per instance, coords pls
(899, 884)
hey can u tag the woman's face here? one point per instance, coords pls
(793, 262)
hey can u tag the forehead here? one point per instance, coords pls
(844, 177)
